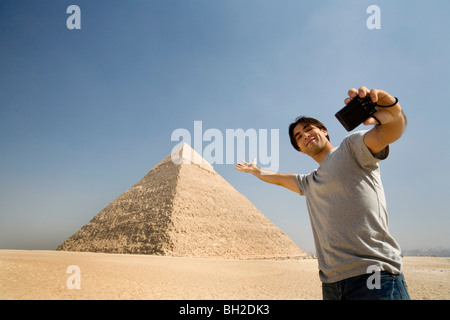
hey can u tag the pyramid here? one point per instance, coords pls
(183, 208)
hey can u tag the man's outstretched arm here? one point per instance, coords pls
(284, 180)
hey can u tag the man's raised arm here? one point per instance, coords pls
(392, 119)
(284, 180)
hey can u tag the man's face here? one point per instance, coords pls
(310, 139)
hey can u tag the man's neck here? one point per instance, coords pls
(323, 153)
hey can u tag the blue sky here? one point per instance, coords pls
(85, 114)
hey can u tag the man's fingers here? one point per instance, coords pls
(374, 95)
(242, 165)
(352, 93)
(363, 91)
(370, 121)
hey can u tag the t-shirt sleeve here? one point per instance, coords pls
(300, 180)
(362, 154)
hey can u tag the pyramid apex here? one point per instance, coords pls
(185, 154)
(185, 146)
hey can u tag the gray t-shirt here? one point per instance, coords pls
(347, 209)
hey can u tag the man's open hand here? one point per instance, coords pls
(246, 167)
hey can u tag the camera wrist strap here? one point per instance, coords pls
(396, 101)
(379, 122)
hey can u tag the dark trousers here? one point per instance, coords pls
(364, 287)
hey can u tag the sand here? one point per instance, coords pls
(41, 275)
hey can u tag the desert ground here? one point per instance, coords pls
(48, 275)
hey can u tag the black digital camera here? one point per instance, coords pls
(356, 112)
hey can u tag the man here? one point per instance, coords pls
(357, 256)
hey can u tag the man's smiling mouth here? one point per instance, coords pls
(310, 140)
